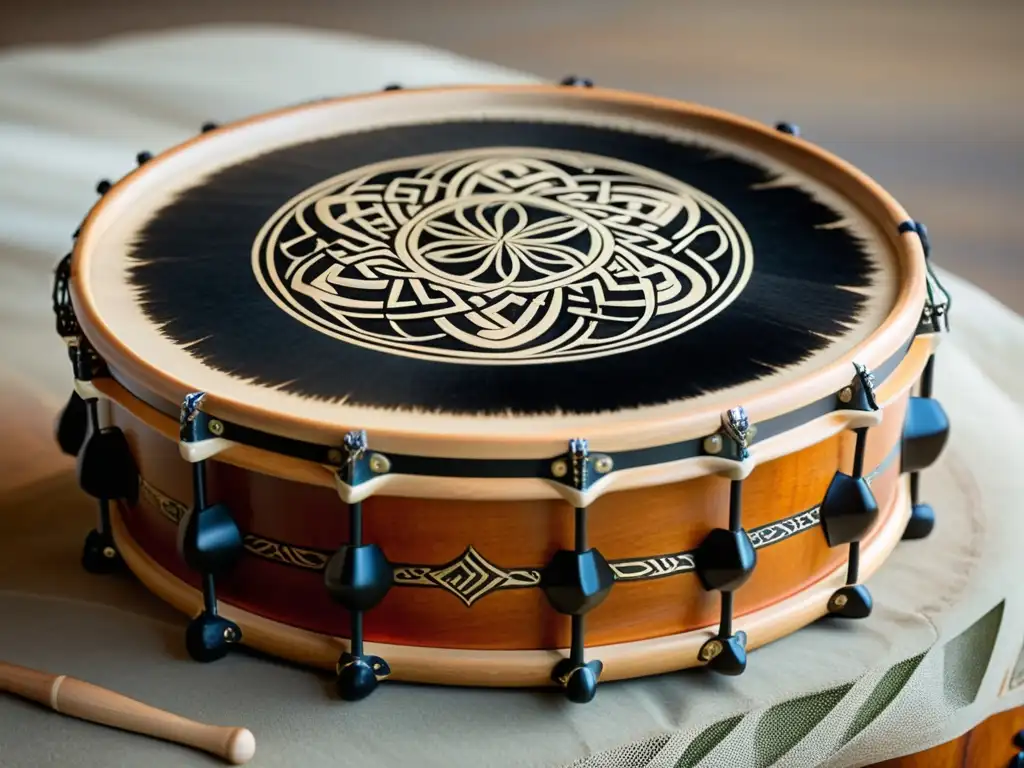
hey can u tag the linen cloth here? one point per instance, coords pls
(936, 657)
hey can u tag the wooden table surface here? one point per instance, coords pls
(924, 96)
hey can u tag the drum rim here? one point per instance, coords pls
(549, 435)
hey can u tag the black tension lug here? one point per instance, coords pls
(726, 557)
(576, 581)
(926, 428)
(209, 542)
(358, 577)
(72, 425)
(925, 434)
(790, 128)
(104, 463)
(358, 676)
(725, 560)
(849, 509)
(579, 681)
(577, 82)
(107, 472)
(726, 655)
(99, 554)
(106, 468)
(851, 602)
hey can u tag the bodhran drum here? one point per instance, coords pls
(500, 386)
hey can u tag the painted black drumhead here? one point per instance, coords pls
(490, 264)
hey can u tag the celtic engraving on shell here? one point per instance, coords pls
(469, 577)
(503, 256)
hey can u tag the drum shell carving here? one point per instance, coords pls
(521, 536)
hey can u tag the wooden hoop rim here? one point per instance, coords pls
(516, 669)
(508, 488)
(496, 437)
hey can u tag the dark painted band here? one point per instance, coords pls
(426, 466)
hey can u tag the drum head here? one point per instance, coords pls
(494, 264)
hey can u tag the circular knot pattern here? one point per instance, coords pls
(503, 256)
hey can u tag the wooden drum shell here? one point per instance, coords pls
(654, 522)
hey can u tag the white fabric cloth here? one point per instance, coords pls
(69, 117)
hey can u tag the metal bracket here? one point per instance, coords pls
(579, 468)
(935, 314)
(199, 435)
(859, 395)
(361, 470)
(732, 441)
(358, 464)
(85, 361)
(730, 445)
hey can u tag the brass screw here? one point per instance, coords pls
(216, 427)
(604, 464)
(559, 468)
(379, 464)
(713, 444)
(710, 650)
(846, 395)
(839, 601)
(334, 456)
(108, 552)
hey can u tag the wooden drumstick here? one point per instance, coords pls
(76, 698)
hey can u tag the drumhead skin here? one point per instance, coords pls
(488, 272)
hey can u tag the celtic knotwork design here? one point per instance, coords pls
(170, 508)
(299, 557)
(653, 567)
(469, 577)
(503, 255)
(784, 529)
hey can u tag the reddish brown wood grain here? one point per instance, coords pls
(654, 521)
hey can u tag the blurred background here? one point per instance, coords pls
(924, 96)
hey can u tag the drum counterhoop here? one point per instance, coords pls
(540, 295)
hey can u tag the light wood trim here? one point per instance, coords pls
(86, 701)
(511, 489)
(243, 456)
(433, 435)
(447, 666)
